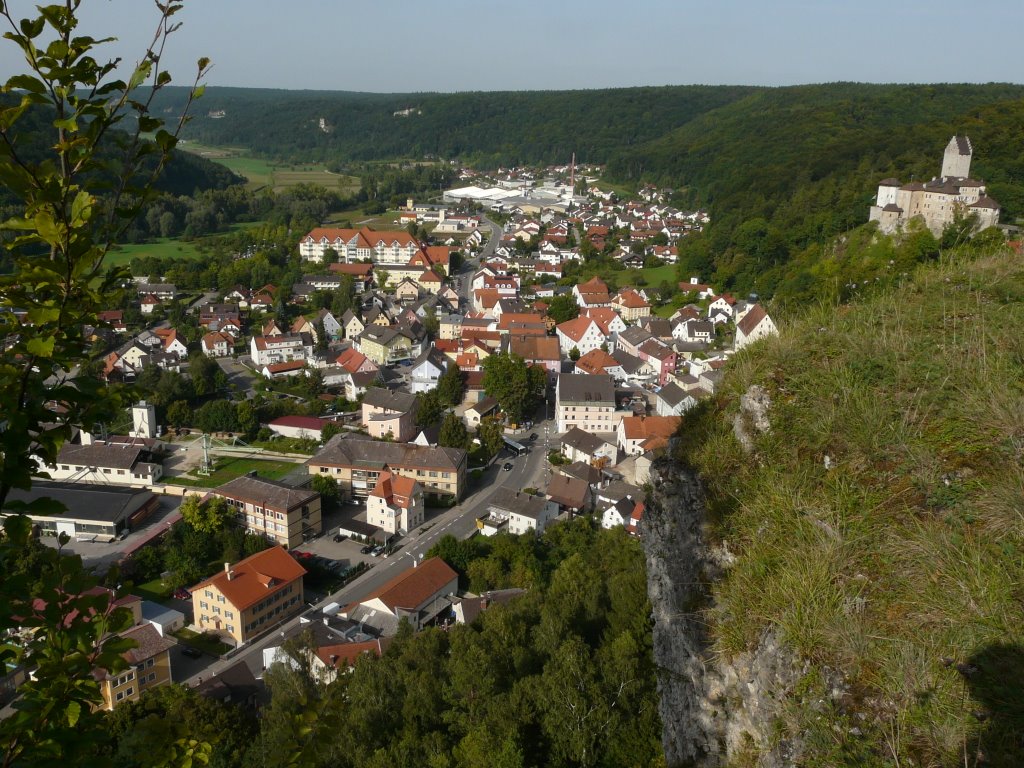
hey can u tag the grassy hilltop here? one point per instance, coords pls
(898, 560)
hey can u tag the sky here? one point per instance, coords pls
(401, 46)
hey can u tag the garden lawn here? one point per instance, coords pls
(204, 642)
(228, 468)
(156, 590)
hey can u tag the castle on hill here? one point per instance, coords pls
(938, 200)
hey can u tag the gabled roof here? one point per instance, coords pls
(399, 402)
(751, 320)
(576, 328)
(596, 361)
(630, 299)
(396, 490)
(583, 441)
(345, 450)
(597, 389)
(255, 577)
(644, 427)
(413, 587)
(269, 493)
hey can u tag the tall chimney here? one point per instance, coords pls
(228, 571)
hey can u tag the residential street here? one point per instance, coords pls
(460, 521)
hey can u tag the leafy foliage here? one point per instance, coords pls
(74, 199)
(560, 676)
(563, 308)
(515, 385)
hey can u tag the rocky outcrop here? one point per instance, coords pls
(711, 707)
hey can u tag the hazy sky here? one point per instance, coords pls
(457, 45)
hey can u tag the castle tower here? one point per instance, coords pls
(956, 161)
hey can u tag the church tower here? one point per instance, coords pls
(956, 161)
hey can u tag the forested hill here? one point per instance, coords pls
(486, 128)
(785, 168)
(184, 174)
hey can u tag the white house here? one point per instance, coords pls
(218, 345)
(756, 324)
(516, 512)
(266, 350)
(582, 333)
(395, 504)
(425, 372)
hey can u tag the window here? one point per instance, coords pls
(150, 662)
(204, 605)
(216, 609)
(229, 615)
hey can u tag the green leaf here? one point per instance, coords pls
(41, 346)
(74, 711)
(26, 83)
(81, 208)
(68, 123)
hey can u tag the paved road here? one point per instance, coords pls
(459, 521)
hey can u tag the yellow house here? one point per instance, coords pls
(252, 596)
(149, 666)
(385, 346)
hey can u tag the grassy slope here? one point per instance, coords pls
(909, 550)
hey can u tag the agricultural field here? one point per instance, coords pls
(164, 247)
(263, 173)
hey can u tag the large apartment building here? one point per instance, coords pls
(384, 248)
(357, 464)
(284, 514)
(283, 348)
(587, 403)
(249, 597)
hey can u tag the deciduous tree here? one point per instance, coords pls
(453, 432)
(76, 198)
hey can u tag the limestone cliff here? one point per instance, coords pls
(712, 708)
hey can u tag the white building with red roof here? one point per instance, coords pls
(395, 504)
(418, 594)
(385, 247)
(581, 333)
(755, 324)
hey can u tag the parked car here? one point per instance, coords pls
(375, 552)
(366, 550)
(508, 466)
(533, 435)
(192, 653)
(182, 594)
(339, 537)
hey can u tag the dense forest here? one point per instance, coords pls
(484, 128)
